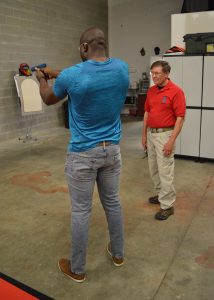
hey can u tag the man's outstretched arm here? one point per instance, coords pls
(46, 91)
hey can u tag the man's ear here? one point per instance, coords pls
(85, 47)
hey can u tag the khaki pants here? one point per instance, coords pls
(161, 168)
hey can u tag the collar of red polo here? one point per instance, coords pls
(166, 87)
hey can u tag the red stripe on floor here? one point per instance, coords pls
(11, 292)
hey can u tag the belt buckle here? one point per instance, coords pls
(153, 130)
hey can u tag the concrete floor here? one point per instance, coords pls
(167, 260)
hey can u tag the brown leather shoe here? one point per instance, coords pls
(154, 200)
(164, 214)
(64, 265)
(118, 262)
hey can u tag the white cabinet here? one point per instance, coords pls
(207, 134)
(192, 79)
(194, 74)
(208, 82)
(190, 134)
(207, 119)
(186, 72)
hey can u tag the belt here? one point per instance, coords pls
(158, 130)
(103, 144)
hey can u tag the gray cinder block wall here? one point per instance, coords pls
(43, 31)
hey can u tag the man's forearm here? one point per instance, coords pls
(45, 92)
(178, 126)
(49, 73)
(44, 89)
(55, 73)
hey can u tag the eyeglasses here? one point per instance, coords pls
(156, 74)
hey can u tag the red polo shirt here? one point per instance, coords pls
(164, 105)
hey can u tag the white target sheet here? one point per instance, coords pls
(28, 92)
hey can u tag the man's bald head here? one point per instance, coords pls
(95, 38)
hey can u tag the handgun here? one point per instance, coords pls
(41, 66)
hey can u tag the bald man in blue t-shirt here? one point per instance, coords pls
(96, 90)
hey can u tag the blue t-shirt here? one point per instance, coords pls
(96, 93)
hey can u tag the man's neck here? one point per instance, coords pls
(160, 86)
(97, 56)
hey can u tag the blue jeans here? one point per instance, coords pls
(83, 169)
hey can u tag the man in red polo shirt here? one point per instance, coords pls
(163, 119)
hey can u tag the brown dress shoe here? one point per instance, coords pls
(164, 214)
(118, 262)
(154, 200)
(65, 267)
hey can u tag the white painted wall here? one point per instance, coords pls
(190, 23)
(134, 24)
